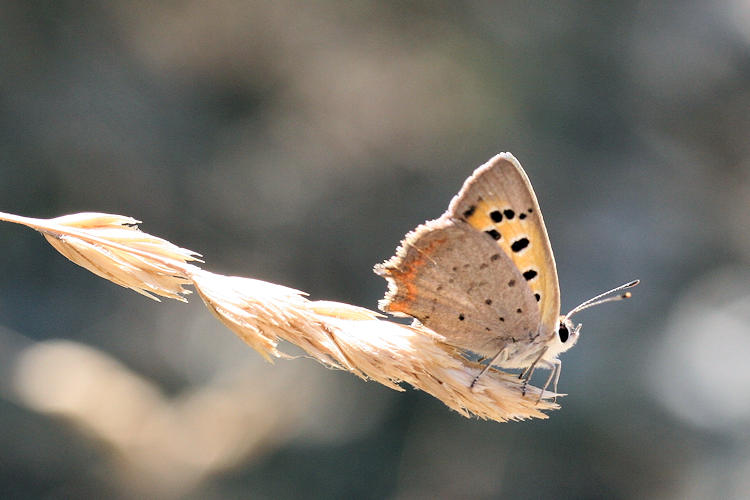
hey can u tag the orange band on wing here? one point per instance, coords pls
(406, 277)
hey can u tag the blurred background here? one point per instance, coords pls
(297, 142)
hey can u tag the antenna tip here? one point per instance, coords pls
(632, 283)
(627, 295)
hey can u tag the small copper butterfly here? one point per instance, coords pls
(483, 275)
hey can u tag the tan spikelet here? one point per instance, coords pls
(112, 246)
(262, 313)
(355, 339)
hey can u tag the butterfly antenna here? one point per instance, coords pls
(602, 298)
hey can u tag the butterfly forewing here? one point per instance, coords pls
(457, 282)
(498, 201)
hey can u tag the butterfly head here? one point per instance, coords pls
(567, 334)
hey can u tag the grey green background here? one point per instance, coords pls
(297, 142)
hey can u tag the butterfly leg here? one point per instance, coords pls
(555, 372)
(529, 371)
(557, 376)
(492, 362)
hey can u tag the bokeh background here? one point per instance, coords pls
(296, 142)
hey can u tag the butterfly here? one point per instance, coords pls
(484, 277)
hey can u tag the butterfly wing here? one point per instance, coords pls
(459, 283)
(499, 201)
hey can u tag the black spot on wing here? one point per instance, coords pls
(496, 216)
(470, 211)
(494, 233)
(522, 216)
(530, 274)
(537, 297)
(508, 213)
(519, 244)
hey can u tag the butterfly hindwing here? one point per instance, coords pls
(498, 200)
(457, 282)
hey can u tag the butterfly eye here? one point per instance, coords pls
(563, 333)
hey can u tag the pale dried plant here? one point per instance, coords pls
(358, 340)
(263, 314)
(163, 443)
(112, 246)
